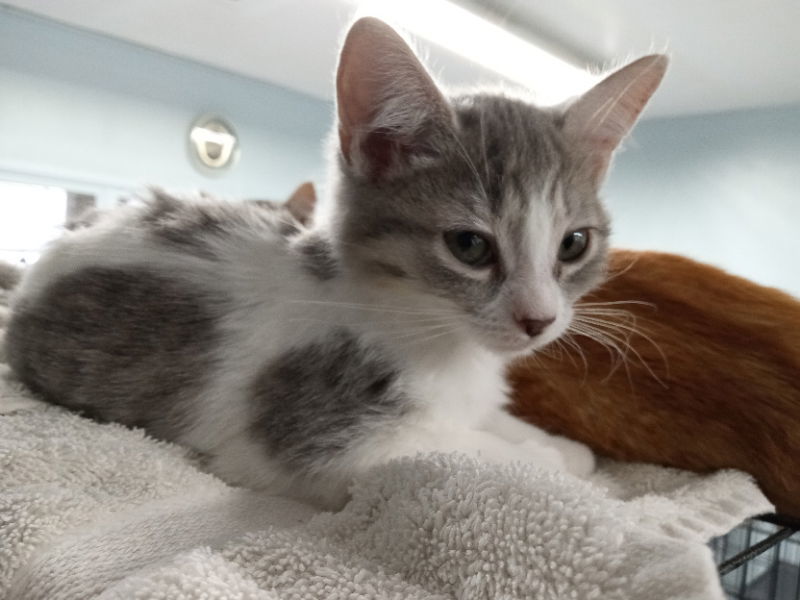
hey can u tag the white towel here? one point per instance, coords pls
(90, 510)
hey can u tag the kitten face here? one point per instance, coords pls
(482, 209)
(503, 171)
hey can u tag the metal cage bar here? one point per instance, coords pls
(760, 560)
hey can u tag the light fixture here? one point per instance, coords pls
(549, 77)
(213, 143)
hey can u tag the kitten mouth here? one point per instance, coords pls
(511, 345)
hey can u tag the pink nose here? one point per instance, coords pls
(534, 327)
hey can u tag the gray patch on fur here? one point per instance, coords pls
(127, 346)
(287, 225)
(183, 224)
(316, 400)
(190, 225)
(288, 230)
(9, 276)
(317, 256)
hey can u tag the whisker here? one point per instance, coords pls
(409, 333)
(546, 351)
(557, 352)
(629, 326)
(376, 307)
(624, 338)
(632, 330)
(612, 275)
(611, 347)
(436, 335)
(568, 340)
(533, 357)
(422, 319)
(616, 302)
(599, 336)
(395, 321)
(603, 310)
(559, 342)
(615, 314)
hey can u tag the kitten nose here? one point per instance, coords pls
(534, 327)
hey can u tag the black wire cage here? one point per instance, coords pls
(760, 559)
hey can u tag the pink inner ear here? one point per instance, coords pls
(356, 95)
(363, 77)
(600, 119)
(384, 97)
(382, 148)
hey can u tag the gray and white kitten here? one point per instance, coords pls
(463, 231)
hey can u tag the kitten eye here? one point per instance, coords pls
(573, 245)
(469, 247)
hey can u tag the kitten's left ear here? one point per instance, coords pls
(600, 119)
(389, 108)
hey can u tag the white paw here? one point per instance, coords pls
(578, 458)
(546, 457)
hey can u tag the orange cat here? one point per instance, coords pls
(711, 378)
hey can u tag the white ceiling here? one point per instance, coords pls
(727, 54)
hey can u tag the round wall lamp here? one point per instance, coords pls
(213, 143)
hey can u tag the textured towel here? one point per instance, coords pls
(90, 510)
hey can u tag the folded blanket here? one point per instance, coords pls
(92, 510)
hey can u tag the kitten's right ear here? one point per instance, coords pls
(599, 120)
(389, 108)
(302, 202)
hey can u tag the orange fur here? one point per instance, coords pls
(729, 389)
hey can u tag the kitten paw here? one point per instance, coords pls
(578, 458)
(544, 456)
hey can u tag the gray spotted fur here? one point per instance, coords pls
(191, 225)
(119, 345)
(9, 276)
(317, 255)
(314, 399)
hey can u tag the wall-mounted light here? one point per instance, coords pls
(213, 143)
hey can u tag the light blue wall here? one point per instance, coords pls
(721, 188)
(98, 114)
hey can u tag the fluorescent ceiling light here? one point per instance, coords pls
(549, 77)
